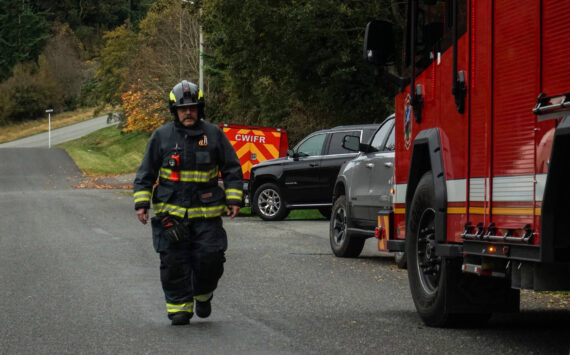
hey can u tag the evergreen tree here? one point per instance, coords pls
(22, 34)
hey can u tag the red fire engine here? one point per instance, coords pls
(255, 144)
(482, 138)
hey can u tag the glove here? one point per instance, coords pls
(173, 230)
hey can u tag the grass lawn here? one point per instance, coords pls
(107, 151)
(296, 214)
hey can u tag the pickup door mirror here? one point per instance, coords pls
(293, 154)
(351, 143)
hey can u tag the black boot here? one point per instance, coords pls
(180, 318)
(203, 309)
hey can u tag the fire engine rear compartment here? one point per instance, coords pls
(518, 214)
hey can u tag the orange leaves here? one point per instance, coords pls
(144, 109)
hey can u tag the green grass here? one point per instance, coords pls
(294, 215)
(107, 151)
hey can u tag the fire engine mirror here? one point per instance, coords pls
(351, 143)
(379, 43)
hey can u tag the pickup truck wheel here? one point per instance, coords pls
(342, 244)
(268, 203)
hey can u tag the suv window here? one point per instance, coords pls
(312, 146)
(390, 143)
(380, 136)
(336, 147)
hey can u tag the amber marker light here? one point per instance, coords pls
(491, 249)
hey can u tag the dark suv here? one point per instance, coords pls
(362, 190)
(305, 178)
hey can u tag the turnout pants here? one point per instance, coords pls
(191, 268)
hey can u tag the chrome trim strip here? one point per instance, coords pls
(513, 188)
(400, 194)
(456, 190)
(477, 189)
(310, 205)
(540, 186)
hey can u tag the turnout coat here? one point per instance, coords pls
(187, 162)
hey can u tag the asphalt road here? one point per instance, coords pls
(60, 135)
(78, 275)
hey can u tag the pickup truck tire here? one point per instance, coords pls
(268, 203)
(436, 283)
(342, 244)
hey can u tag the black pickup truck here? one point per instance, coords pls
(305, 178)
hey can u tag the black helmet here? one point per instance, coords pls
(186, 93)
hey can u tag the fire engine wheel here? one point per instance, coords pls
(424, 267)
(342, 244)
(434, 280)
(268, 203)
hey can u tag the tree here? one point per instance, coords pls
(62, 53)
(290, 62)
(89, 19)
(22, 34)
(28, 92)
(169, 38)
(116, 57)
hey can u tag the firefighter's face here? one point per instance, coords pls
(188, 115)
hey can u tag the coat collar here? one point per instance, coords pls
(195, 130)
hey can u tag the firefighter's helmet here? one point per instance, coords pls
(186, 93)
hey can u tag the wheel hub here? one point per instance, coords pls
(339, 225)
(429, 264)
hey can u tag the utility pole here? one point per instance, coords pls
(201, 65)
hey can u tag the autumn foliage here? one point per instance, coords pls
(144, 110)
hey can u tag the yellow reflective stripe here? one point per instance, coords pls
(194, 212)
(181, 307)
(142, 196)
(203, 298)
(191, 175)
(172, 97)
(199, 176)
(206, 212)
(171, 209)
(234, 194)
(165, 173)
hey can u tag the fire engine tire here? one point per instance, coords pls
(268, 203)
(426, 271)
(434, 280)
(400, 259)
(342, 243)
(326, 212)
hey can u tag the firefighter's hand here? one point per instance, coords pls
(142, 214)
(233, 210)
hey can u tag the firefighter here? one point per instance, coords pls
(186, 156)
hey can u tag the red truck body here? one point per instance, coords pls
(483, 154)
